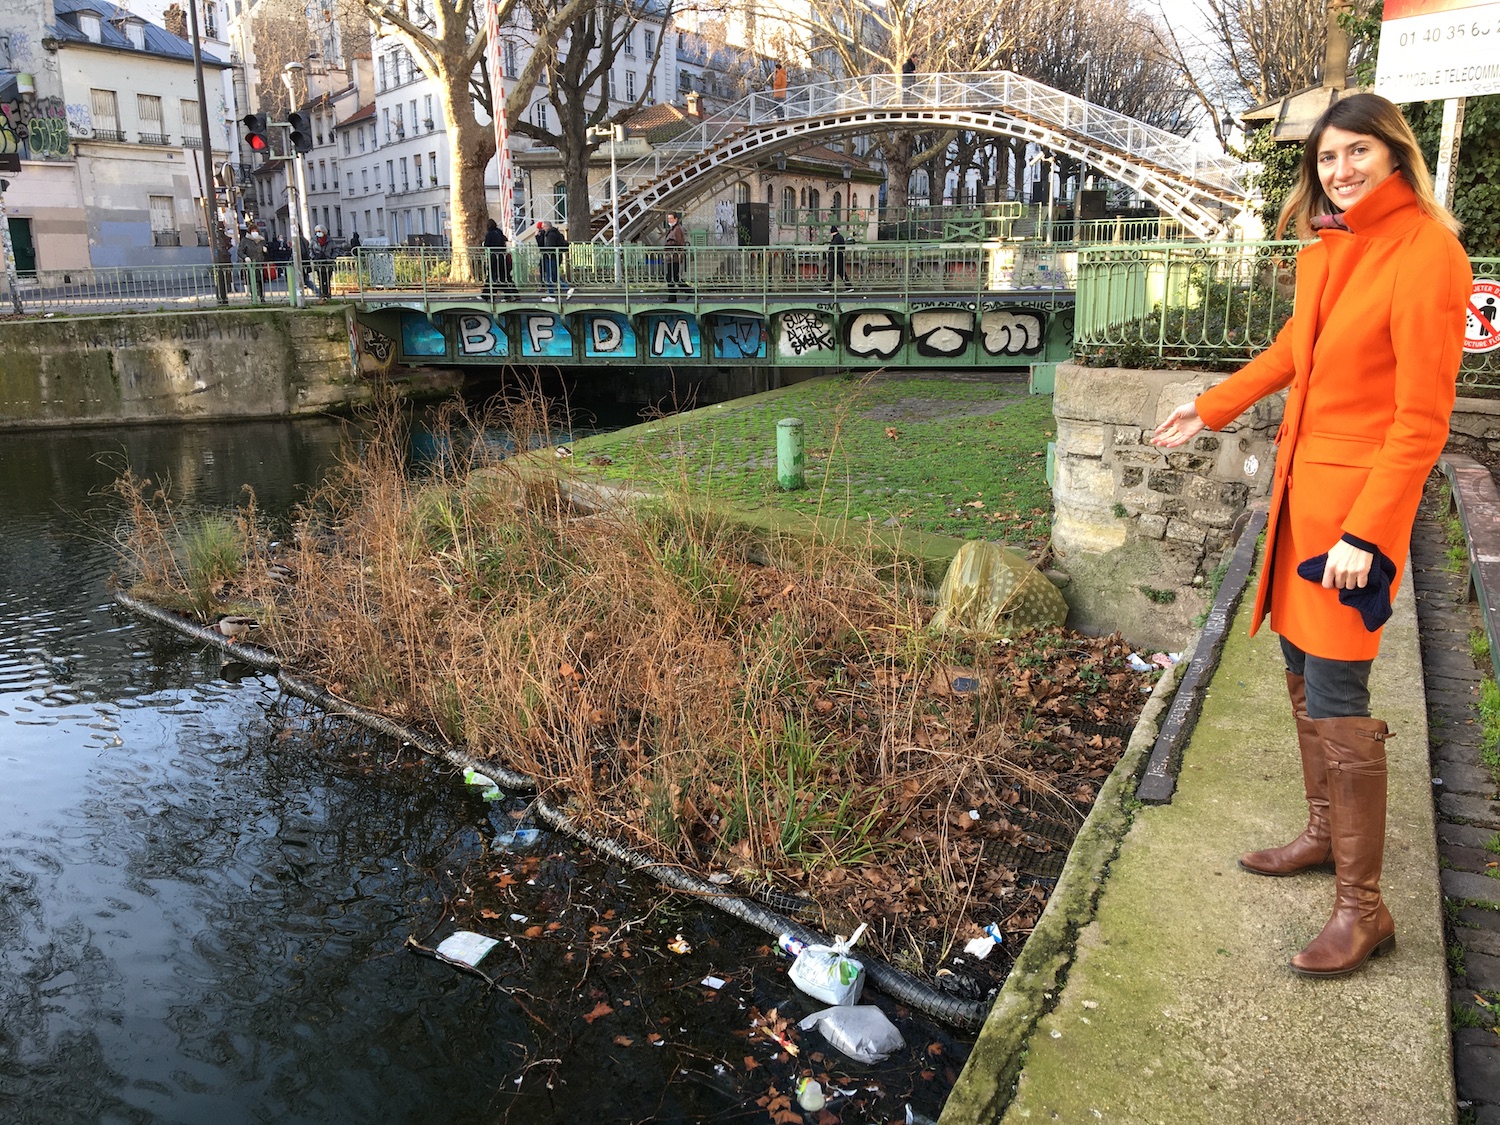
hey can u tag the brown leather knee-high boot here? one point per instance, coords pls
(1361, 926)
(1311, 849)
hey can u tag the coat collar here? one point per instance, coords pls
(1387, 211)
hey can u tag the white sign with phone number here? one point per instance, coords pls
(1426, 55)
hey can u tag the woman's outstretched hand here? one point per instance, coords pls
(1179, 427)
(1347, 568)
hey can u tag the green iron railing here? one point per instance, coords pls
(1207, 304)
(638, 274)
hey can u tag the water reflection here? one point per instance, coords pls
(205, 889)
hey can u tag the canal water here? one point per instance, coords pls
(206, 890)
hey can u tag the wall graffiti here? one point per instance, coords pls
(873, 335)
(739, 337)
(1012, 331)
(372, 350)
(545, 336)
(608, 336)
(80, 120)
(481, 334)
(802, 332)
(673, 336)
(942, 333)
(805, 336)
(36, 128)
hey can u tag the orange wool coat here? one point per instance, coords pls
(1371, 357)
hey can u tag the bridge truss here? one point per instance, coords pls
(1206, 191)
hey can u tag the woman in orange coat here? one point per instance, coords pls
(1369, 361)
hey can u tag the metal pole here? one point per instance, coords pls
(293, 206)
(1448, 145)
(617, 134)
(12, 279)
(210, 212)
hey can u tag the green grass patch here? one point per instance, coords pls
(945, 456)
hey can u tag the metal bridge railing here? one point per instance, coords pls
(1213, 304)
(757, 274)
(110, 289)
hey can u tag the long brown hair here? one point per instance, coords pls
(1372, 116)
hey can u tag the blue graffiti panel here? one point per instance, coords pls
(545, 336)
(480, 334)
(608, 336)
(419, 336)
(673, 336)
(738, 336)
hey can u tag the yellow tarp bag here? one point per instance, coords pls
(993, 590)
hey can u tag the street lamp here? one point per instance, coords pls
(1039, 157)
(1083, 178)
(296, 207)
(615, 134)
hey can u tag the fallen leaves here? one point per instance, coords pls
(599, 1011)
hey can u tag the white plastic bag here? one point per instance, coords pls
(828, 973)
(860, 1031)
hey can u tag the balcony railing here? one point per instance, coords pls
(155, 139)
(165, 238)
(192, 142)
(108, 135)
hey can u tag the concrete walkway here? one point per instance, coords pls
(1179, 1006)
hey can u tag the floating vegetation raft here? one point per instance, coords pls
(795, 730)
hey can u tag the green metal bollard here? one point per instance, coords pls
(790, 462)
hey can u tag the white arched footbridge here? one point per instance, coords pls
(1206, 191)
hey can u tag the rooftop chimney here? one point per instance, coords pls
(694, 104)
(175, 20)
(1336, 58)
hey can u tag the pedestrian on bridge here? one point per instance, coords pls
(674, 253)
(1369, 361)
(499, 269)
(838, 267)
(552, 243)
(908, 76)
(323, 256)
(253, 255)
(778, 89)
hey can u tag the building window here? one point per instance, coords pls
(90, 25)
(650, 43)
(427, 105)
(386, 118)
(838, 205)
(163, 221)
(416, 162)
(414, 129)
(509, 63)
(651, 90)
(367, 219)
(361, 132)
(364, 180)
(405, 179)
(338, 222)
(539, 115)
(187, 109)
(383, 80)
(432, 167)
(814, 201)
(630, 85)
(211, 20)
(612, 94)
(374, 140)
(560, 201)
(323, 175)
(400, 125)
(685, 81)
(437, 220)
(390, 175)
(630, 42)
(788, 207)
(148, 111)
(106, 109)
(348, 144)
(349, 183)
(742, 192)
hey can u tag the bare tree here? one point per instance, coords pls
(1250, 53)
(447, 39)
(576, 78)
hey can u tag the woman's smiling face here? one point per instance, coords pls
(1351, 165)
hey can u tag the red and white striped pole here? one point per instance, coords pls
(493, 54)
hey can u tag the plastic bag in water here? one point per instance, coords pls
(860, 1031)
(828, 973)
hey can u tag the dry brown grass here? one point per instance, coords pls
(792, 726)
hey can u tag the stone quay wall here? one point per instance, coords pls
(1137, 529)
(187, 366)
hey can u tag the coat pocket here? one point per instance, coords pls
(1337, 449)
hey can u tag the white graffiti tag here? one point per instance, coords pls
(942, 332)
(1011, 332)
(873, 334)
(476, 334)
(803, 332)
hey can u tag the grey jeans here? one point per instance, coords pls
(1336, 689)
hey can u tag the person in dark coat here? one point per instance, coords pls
(323, 256)
(674, 253)
(499, 270)
(552, 243)
(838, 267)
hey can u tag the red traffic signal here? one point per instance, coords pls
(255, 132)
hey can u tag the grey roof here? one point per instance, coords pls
(159, 41)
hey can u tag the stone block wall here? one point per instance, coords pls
(1139, 529)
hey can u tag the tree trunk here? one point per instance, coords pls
(473, 147)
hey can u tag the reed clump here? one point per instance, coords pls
(795, 726)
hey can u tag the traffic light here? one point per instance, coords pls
(301, 133)
(255, 132)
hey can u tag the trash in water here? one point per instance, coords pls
(994, 931)
(810, 1095)
(680, 944)
(828, 973)
(980, 947)
(1136, 663)
(860, 1031)
(790, 945)
(715, 983)
(519, 918)
(491, 791)
(520, 838)
(466, 947)
(1165, 659)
